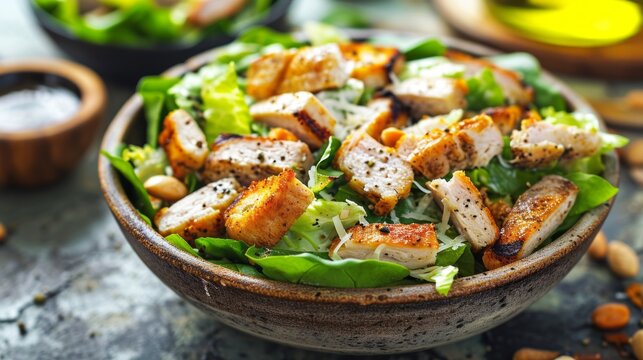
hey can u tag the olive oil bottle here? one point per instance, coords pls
(582, 23)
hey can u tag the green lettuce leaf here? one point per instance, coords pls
(226, 111)
(423, 49)
(147, 161)
(322, 174)
(442, 276)
(244, 269)
(218, 249)
(505, 180)
(314, 229)
(141, 198)
(484, 91)
(593, 191)
(157, 103)
(308, 269)
(180, 243)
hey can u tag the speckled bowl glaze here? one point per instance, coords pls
(357, 321)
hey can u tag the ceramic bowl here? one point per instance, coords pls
(126, 64)
(357, 321)
(41, 156)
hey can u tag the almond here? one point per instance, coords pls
(634, 153)
(622, 260)
(598, 249)
(535, 354)
(166, 188)
(637, 344)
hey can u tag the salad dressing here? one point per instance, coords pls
(36, 107)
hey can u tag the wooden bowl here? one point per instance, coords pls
(358, 321)
(126, 64)
(42, 156)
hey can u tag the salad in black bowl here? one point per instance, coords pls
(126, 39)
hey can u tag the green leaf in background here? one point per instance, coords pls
(484, 91)
(347, 17)
(264, 36)
(442, 276)
(314, 229)
(153, 90)
(423, 49)
(225, 108)
(593, 191)
(141, 198)
(216, 248)
(308, 269)
(180, 243)
(320, 34)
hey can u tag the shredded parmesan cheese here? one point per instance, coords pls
(343, 237)
(422, 188)
(396, 220)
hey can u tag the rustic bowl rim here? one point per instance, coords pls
(127, 216)
(92, 94)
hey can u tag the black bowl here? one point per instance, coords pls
(126, 64)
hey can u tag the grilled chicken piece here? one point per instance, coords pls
(301, 113)
(371, 63)
(505, 117)
(469, 215)
(479, 138)
(388, 112)
(251, 158)
(374, 171)
(539, 143)
(205, 12)
(466, 144)
(264, 212)
(184, 143)
(315, 69)
(510, 82)
(429, 123)
(431, 96)
(434, 154)
(535, 216)
(414, 246)
(266, 73)
(200, 213)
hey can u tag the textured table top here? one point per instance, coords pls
(103, 303)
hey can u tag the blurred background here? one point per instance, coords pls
(71, 288)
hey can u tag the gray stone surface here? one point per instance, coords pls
(103, 303)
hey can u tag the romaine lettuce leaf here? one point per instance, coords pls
(264, 36)
(180, 243)
(314, 229)
(593, 191)
(442, 276)
(141, 198)
(147, 161)
(225, 108)
(218, 249)
(320, 34)
(157, 103)
(306, 268)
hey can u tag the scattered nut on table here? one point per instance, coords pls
(167, 188)
(598, 249)
(3, 233)
(637, 344)
(622, 259)
(636, 173)
(535, 354)
(634, 153)
(611, 316)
